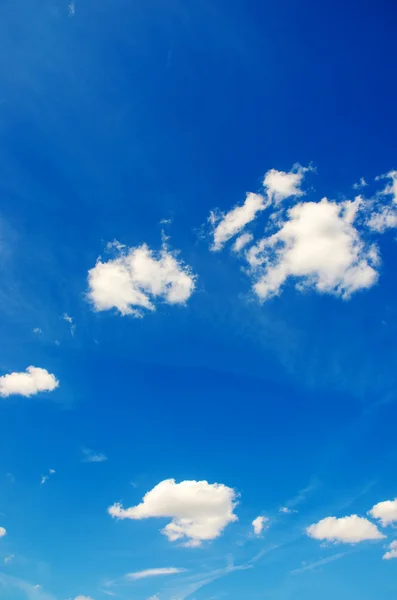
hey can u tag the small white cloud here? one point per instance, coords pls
(3, 532)
(33, 381)
(199, 510)
(280, 185)
(258, 524)
(286, 510)
(392, 552)
(346, 530)
(226, 226)
(45, 478)
(360, 184)
(385, 512)
(37, 330)
(93, 457)
(136, 277)
(9, 559)
(83, 598)
(318, 245)
(242, 241)
(72, 9)
(153, 573)
(67, 318)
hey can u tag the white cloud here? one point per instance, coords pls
(385, 217)
(385, 512)
(37, 330)
(258, 524)
(9, 558)
(72, 9)
(45, 478)
(347, 530)
(360, 184)
(3, 532)
(199, 510)
(33, 381)
(228, 225)
(317, 244)
(392, 552)
(242, 241)
(281, 184)
(93, 457)
(286, 510)
(83, 598)
(136, 277)
(154, 573)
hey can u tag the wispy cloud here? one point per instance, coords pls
(32, 592)
(71, 322)
(45, 478)
(153, 573)
(93, 457)
(318, 563)
(9, 559)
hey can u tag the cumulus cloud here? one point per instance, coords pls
(3, 532)
(280, 185)
(258, 524)
(385, 512)
(154, 573)
(228, 225)
(317, 244)
(199, 510)
(31, 382)
(93, 457)
(136, 278)
(242, 241)
(346, 530)
(385, 215)
(392, 551)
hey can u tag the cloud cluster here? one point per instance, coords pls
(28, 383)
(153, 573)
(136, 278)
(320, 245)
(347, 530)
(199, 510)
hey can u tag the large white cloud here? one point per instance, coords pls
(385, 512)
(280, 185)
(154, 573)
(228, 225)
(136, 277)
(392, 551)
(198, 510)
(385, 215)
(317, 244)
(28, 383)
(347, 530)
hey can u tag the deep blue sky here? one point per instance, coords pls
(126, 113)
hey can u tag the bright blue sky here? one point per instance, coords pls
(115, 116)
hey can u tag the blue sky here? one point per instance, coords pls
(197, 300)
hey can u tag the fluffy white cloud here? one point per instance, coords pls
(154, 573)
(347, 530)
(385, 216)
(385, 512)
(199, 510)
(258, 524)
(33, 381)
(136, 277)
(3, 532)
(318, 244)
(228, 225)
(392, 551)
(280, 185)
(242, 241)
